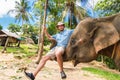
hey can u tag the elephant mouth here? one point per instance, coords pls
(72, 56)
(75, 62)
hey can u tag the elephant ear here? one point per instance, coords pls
(105, 36)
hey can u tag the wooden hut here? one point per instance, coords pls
(9, 39)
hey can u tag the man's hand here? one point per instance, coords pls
(45, 29)
(54, 42)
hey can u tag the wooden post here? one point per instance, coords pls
(5, 44)
(40, 50)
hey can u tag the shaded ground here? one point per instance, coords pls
(12, 69)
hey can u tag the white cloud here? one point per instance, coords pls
(5, 6)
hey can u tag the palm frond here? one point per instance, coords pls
(11, 11)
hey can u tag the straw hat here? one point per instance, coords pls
(59, 23)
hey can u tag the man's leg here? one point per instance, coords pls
(59, 52)
(59, 59)
(39, 67)
(41, 64)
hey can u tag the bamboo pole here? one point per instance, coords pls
(40, 50)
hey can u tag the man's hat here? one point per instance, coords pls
(59, 23)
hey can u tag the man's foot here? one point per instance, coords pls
(29, 75)
(63, 75)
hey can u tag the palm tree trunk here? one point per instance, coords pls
(70, 4)
(40, 51)
(70, 19)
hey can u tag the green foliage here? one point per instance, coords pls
(23, 15)
(34, 38)
(1, 27)
(26, 50)
(57, 10)
(39, 11)
(54, 12)
(30, 31)
(26, 30)
(110, 63)
(46, 41)
(14, 28)
(105, 74)
(74, 12)
(29, 50)
(108, 7)
(22, 11)
(52, 29)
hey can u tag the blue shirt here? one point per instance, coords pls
(63, 37)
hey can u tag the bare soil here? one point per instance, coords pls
(12, 69)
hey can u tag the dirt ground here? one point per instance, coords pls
(12, 69)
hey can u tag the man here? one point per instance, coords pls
(62, 39)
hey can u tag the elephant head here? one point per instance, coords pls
(89, 37)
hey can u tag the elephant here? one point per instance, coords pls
(95, 36)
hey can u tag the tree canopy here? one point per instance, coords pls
(108, 7)
(1, 27)
(14, 28)
(59, 10)
(22, 11)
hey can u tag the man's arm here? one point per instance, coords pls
(54, 42)
(47, 34)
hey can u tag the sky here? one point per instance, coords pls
(6, 5)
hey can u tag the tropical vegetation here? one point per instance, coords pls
(1, 27)
(69, 11)
(108, 7)
(22, 11)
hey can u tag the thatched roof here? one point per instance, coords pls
(4, 33)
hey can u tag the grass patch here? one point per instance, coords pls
(24, 50)
(106, 74)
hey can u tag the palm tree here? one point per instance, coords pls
(73, 13)
(89, 7)
(22, 11)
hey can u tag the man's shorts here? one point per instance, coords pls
(51, 53)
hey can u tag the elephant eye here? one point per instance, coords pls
(72, 42)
